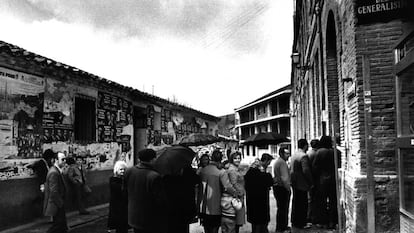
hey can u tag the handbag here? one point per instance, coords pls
(237, 204)
(227, 208)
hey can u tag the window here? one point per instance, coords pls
(261, 109)
(406, 102)
(284, 127)
(262, 128)
(405, 113)
(407, 180)
(284, 105)
(274, 108)
(85, 115)
(244, 117)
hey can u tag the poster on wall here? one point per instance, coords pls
(98, 156)
(58, 112)
(21, 110)
(114, 120)
(114, 114)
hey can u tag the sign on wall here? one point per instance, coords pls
(371, 11)
(21, 110)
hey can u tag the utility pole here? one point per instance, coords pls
(368, 145)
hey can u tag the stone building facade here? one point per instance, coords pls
(344, 84)
(46, 104)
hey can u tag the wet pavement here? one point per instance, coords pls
(96, 221)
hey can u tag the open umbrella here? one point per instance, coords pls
(171, 160)
(197, 139)
(265, 139)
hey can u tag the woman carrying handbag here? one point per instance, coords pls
(233, 209)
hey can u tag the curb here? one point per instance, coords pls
(71, 221)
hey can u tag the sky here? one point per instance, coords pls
(210, 55)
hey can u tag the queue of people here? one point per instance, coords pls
(218, 194)
(311, 176)
(224, 194)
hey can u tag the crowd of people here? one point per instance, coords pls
(310, 175)
(220, 193)
(224, 194)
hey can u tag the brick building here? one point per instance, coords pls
(46, 104)
(344, 72)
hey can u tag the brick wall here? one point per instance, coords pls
(375, 41)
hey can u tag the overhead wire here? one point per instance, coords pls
(235, 25)
(230, 26)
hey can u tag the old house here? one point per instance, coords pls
(46, 104)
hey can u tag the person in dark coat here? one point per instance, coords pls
(258, 184)
(55, 190)
(181, 202)
(146, 196)
(325, 184)
(41, 167)
(76, 174)
(302, 182)
(312, 206)
(118, 202)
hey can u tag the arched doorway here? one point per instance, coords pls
(331, 78)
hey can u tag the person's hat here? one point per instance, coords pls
(49, 154)
(146, 155)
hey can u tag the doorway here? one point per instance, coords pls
(140, 130)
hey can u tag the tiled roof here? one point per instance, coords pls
(45, 62)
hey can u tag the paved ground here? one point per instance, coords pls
(96, 223)
(100, 225)
(74, 220)
(196, 228)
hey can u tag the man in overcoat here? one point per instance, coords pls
(55, 196)
(258, 183)
(324, 172)
(146, 196)
(302, 182)
(77, 178)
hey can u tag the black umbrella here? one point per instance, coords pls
(265, 139)
(171, 160)
(197, 139)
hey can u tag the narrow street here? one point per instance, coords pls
(99, 225)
